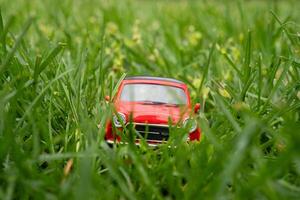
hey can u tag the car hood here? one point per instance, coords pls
(152, 114)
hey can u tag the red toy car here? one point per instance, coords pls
(151, 104)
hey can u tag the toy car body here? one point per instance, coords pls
(152, 105)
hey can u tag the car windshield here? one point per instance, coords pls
(153, 94)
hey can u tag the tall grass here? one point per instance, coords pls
(240, 59)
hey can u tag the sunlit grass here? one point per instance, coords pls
(240, 60)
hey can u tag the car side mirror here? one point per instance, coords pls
(107, 98)
(197, 108)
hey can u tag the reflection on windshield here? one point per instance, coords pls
(152, 93)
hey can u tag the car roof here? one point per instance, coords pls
(153, 78)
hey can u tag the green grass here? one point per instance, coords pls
(240, 59)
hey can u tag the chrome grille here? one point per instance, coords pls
(153, 132)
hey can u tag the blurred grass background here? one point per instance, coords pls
(59, 59)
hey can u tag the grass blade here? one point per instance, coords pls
(7, 59)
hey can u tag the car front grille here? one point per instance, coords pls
(153, 132)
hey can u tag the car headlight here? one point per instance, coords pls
(119, 119)
(190, 124)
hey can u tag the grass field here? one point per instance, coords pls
(240, 59)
